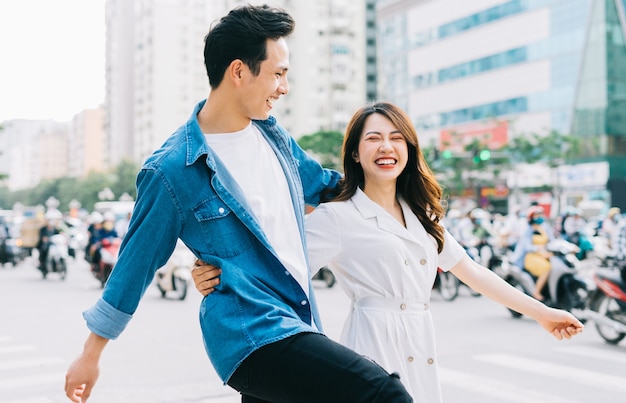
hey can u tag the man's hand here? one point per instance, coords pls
(206, 277)
(84, 371)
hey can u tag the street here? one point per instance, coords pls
(484, 355)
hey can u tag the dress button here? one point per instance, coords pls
(221, 210)
(423, 261)
(430, 361)
(406, 262)
(303, 302)
(410, 359)
(425, 307)
(403, 306)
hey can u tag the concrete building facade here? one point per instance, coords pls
(496, 69)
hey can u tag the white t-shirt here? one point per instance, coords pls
(252, 163)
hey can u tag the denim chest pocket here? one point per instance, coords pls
(224, 235)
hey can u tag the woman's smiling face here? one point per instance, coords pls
(383, 150)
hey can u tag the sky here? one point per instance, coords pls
(51, 58)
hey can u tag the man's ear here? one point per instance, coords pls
(235, 71)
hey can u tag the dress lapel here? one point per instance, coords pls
(372, 211)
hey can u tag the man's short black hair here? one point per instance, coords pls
(242, 34)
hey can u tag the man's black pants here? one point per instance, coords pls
(311, 368)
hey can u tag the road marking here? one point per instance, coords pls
(574, 375)
(36, 362)
(503, 391)
(38, 380)
(595, 353)
(16, 349)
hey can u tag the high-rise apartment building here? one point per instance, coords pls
(154, 70)
(86, 143)
(155, 67)
(32, 150)
(501, 68)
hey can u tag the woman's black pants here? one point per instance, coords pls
(311, 368)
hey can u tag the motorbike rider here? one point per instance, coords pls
(106, 230)
(531, 253)
(611, 226)
(573, 227)
(45, 232)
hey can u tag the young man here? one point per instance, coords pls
(233, 185)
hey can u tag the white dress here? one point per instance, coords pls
(388, 271)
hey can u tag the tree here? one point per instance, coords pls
(325, 146)
(85, 190)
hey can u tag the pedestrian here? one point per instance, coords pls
(382, 238)
(232, 185)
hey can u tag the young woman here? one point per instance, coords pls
(383, 239)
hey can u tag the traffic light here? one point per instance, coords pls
(446, 154)
(481, 155)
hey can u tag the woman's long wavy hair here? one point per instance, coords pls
(416, 184)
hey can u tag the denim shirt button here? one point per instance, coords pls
(303, 302)
(221, 210)
(287, 273)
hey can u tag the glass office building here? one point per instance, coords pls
(514, 67)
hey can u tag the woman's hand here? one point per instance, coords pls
(561, 324)
(206, 277)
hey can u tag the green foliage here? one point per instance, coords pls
(553, 149)
(325, 146)
(120, 180)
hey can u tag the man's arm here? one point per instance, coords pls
(84, 371)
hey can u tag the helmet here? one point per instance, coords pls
(478, 213)
(532, 211)
(52, 215)
(96, 218)
(109, 216)
(454, 213)
(613, 211)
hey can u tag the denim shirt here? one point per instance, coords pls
(184, 191)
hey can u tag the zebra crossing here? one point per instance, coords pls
(572, 382)
(27, 377)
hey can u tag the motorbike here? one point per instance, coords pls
(602, 253)
(56, 261)
(607, 304)
(107, 253)
(173, 278)
(447, 285)
(565, 288)
(326, 275)
(11, 251)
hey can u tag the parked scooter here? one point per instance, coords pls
(447, 285)
(565, 288)
(107, 253)
(174, 277)
(56, 260)
(11, 251)
(607, 306)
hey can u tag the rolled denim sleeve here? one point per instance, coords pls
(152, 234)
(106, 321)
